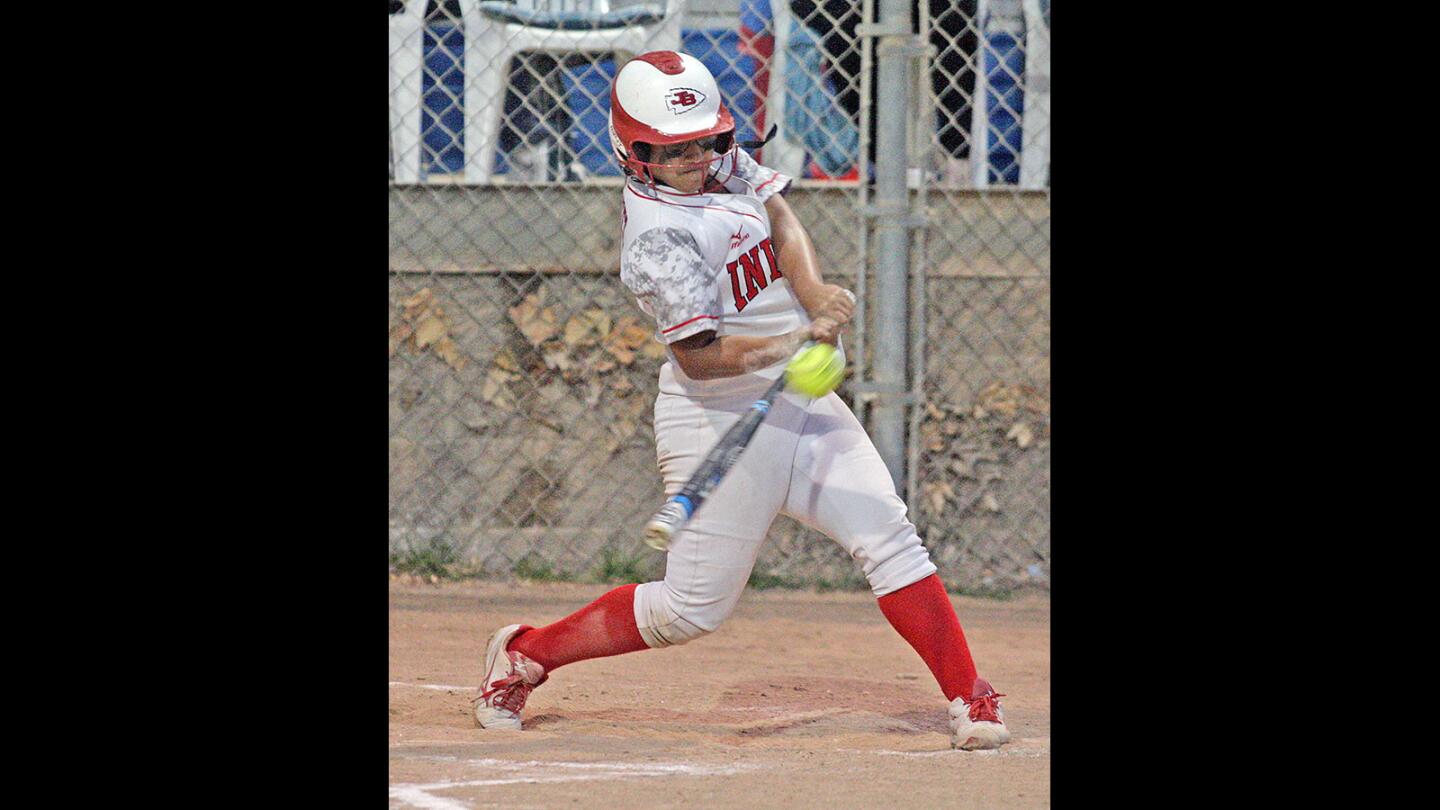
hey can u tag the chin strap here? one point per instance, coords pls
(750, 145)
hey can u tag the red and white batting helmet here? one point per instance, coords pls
(661, 98)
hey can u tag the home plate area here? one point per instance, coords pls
(810, 699)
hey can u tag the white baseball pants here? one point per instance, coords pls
(809, 459)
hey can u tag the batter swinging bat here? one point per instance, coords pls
(711, 472)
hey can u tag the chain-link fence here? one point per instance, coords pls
(980, 443)
(522, 373)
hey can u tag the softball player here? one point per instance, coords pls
(715, 255)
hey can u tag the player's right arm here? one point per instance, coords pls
(708, 356)
(801, 265)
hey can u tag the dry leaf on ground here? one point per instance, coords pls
(1001, 398)
(557, 356)
(450, 353)
(936, 493)
(630, 333)
(398, 335)
(587, 328)
(538, 324)
(494, 389)
(430, 330)
(627, 336)
(504, 359)
(416, 304)
(620, 353)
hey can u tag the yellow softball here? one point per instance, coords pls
(815, 371)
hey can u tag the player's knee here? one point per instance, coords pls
(899, 559)
(665, 619)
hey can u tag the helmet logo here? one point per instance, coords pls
(683, 99)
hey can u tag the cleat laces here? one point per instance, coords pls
(512, 691)
(984, 708)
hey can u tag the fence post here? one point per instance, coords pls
(896, 49)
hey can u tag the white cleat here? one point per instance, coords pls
(978, 723)
(509, 679)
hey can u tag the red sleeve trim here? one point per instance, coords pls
(692, 320)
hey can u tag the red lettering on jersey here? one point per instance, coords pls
(769, 249)
(740, 300)
(752, 267)
(754, 274)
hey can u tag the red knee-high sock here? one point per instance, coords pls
(603, 627)
(923, 615)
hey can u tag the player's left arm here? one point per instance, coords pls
(798, 260)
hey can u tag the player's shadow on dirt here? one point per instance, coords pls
(836, 722)
(756, 709)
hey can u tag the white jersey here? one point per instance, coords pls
(705, 261)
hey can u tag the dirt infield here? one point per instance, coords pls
(800, 699)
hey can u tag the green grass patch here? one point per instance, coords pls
(855, 582)
(995, 592)
(618, 567)
(537, 569)
(435, 558)
(766, 580)
(851, 582)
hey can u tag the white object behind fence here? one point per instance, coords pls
(1035, 123)
(1034, 158)
(491, 43)
(407, 40)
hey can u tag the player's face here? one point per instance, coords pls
(683, 165)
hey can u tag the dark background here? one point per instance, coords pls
(283, 248)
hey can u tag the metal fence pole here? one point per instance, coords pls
(861, 382)
(891, 212)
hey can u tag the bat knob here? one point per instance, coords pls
(657, 535)
(664, 525)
